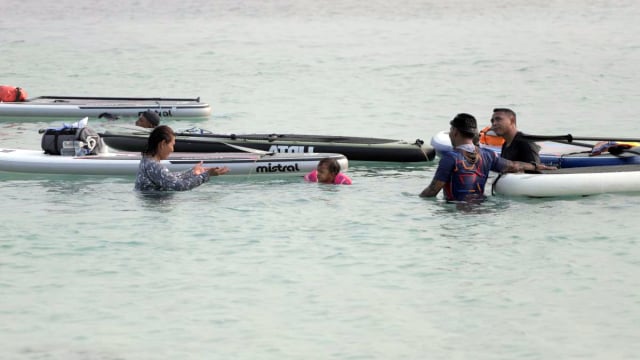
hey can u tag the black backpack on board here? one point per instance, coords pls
(53, 139)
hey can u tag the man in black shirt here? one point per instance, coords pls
(515, 147)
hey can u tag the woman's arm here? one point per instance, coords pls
(168, 180)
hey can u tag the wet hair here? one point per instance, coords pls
(505, 110)
(152, 117)
(158, 135)
(332, 165)
(466, 124)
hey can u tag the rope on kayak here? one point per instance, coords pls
(261, 154)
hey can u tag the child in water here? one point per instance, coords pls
(328, 172)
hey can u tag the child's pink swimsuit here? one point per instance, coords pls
(340, 178)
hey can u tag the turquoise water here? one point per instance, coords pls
(251, 268)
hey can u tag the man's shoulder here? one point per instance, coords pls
(449, 156)
(488, 152)
(522, 141)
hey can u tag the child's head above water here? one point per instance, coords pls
(328, 169)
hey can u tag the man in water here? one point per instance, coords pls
(148, 119)
(463, 172)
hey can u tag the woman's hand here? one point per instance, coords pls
(214, 171)
(199, 169)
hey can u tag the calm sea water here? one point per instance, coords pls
(250, 268)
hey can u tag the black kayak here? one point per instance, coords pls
(354, 148)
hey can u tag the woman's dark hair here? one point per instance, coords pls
(332, 165)
(158, 135)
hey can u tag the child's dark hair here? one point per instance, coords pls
(159, 134)
(332, 165)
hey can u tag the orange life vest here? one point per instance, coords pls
(488, 137)
(12, 94)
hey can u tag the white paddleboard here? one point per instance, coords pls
(126, 163)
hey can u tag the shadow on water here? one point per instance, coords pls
(490, 205)
(498, 204)
(163, 201)
(487, 205)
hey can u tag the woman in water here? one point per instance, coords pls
(153, 176)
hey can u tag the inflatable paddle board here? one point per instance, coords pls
(126, 163)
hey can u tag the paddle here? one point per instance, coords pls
(570, 138)
(613, 150)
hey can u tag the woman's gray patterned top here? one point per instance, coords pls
(154, 176)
